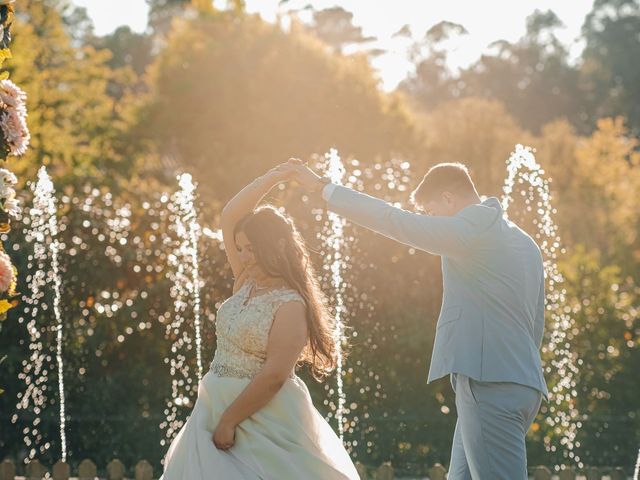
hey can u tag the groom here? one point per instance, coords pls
(491, 323)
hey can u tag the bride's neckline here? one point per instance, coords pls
(252, 284)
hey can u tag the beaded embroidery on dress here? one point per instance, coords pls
(242, 328)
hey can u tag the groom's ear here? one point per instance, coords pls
(449, 197)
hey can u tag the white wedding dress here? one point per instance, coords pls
(287, 439)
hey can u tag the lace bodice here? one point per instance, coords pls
(242, 329)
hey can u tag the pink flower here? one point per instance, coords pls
(12, 207)
(7, 274)
(15, 131)
(13, 120)
(7, 177)
(12, 95)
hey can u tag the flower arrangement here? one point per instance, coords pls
(7, 274)
(13, 110)
(9, 206)
(13, 119)
(14, 140)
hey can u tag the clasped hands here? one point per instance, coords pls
(296, 169)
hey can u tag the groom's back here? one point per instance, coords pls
(491, 322)
(492, 318)
(511, 258)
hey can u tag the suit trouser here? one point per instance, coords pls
(493, 419)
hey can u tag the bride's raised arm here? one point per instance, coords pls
(240, 205)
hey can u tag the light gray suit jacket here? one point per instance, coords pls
(492, 317)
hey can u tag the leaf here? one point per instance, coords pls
(5, 306)
(4, 54)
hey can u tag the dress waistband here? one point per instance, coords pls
(222, 370)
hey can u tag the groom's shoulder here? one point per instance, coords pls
(482, 216)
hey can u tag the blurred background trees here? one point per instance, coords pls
(225, 96)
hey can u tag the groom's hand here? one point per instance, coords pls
(306, 177)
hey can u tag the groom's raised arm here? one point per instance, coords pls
(434, 234)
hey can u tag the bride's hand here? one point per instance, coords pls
(282, 173)
(224, 435)
(304, 175)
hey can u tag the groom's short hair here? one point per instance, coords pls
(443, 177)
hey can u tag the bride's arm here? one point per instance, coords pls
(241, 204)
(287, 339)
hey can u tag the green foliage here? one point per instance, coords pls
(229, 96)
(114, 345)
(233, 96)
(334, 26)
(476, 131)
(597, 183)
(605, 305)
(77, 128)
(609, 73)
(532, 76)
(535, 77)
(128, 49)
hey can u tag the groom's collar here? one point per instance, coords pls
(483, 214)
(492, 202)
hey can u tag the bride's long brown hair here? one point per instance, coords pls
(280, 251)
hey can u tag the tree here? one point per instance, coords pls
(334, 26)
(432, 82)
(233, 95)
(597, 182)
(603, 302)
(161, 13)
(478, 132)
(77, 128)
(609, 73)
(77, 22)
(532, 76)
(128, 49)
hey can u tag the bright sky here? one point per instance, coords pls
(486, 21)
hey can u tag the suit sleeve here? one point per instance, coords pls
(538, 328)
(437, 235)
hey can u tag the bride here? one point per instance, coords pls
(254, 418)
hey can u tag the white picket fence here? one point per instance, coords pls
(143, 470)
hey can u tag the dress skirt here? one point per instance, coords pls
(288, 439)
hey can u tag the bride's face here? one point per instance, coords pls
(245, 251)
